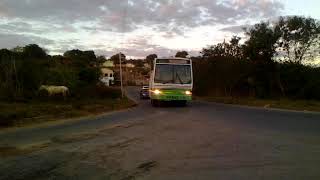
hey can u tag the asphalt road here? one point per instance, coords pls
(201, 141)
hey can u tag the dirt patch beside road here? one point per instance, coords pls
(36, 112)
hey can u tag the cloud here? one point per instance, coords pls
(141, 47)
(136, 47)
(119, 15)
(13, 40)
(67, 20)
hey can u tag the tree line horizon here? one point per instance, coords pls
(251, 69)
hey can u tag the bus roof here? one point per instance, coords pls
(172, 60)
(177, 58)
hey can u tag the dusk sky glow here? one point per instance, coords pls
(136, 27)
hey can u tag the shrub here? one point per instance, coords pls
(89, 75)
(227, 76)
(107, 92)
(97, 91)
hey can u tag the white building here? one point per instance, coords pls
(108, 64)
(107, 77)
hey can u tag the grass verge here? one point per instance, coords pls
(299, 105)
(37, 111)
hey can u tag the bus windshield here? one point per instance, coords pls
(172, 74)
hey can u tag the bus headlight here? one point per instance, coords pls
(157, 92)
(188, 93)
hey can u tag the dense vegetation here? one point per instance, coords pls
(24, 69)
(275, 61)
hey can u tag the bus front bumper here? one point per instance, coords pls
(171, 95)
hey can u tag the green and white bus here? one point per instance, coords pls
(171, 80)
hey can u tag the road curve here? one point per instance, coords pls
(201, 141)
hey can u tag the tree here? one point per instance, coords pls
(260, 45)
(260, 48)
(150, 58)
(182, 54)
(101, 59)
(231, 49)
(78, 54)
(90, 55)
(81, 58)
(34, 51)
(115, 58)
(21, 73)
(138, 63)
(18, 49)
(72, 53)
(6, 73)
(300, 37)
(89, 75)
(235, 49)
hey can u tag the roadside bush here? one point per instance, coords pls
(300, 82)
(10, 115)
(108, 92)
(89, 75)
(24, 69)
(221, 76)
(20, 78)
(227, 76)
(30, 76)
(97, 91)
(7, 119)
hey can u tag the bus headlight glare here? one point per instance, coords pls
(188, 93)
(157, 91)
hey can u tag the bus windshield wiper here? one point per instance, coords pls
(177, 75)
(165, 82)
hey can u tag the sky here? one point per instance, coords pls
(137, 27)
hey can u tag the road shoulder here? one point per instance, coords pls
(285, 105)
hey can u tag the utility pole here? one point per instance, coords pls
(123, 30)
(122, 93)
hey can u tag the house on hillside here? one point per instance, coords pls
(107, 76)
(107, 72)
(108, 64)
